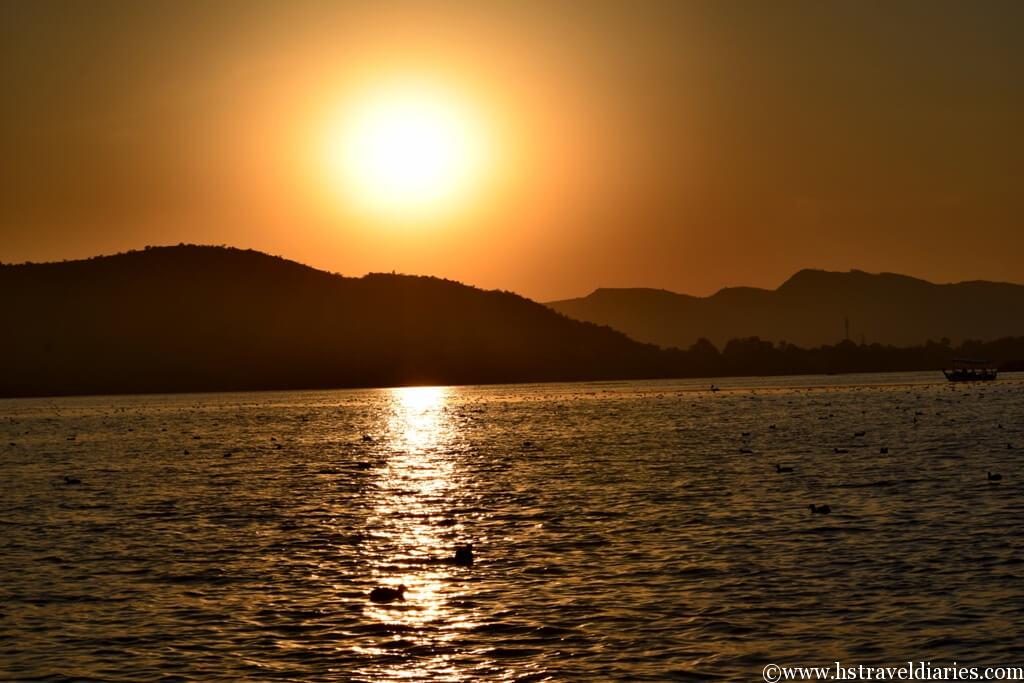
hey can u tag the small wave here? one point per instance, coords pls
(514, 652)
(882, 483)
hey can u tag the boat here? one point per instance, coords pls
(971, 370)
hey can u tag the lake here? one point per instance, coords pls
(622, 530)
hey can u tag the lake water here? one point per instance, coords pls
(639, 535)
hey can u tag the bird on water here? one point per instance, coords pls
(782, 470)
(386, 594)
(463, 555)
(820, 509)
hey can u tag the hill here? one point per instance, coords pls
(810, 309)
(195, 318)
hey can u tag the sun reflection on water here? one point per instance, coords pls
(417, 423)
(415, 532)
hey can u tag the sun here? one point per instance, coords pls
(406, 150)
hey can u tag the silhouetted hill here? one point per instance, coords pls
(192, 318)
(809, 309)
(209, 318)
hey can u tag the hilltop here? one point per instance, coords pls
(199, 318)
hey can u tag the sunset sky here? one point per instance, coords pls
(548, 148)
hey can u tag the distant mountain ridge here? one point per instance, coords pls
(811, 309)
(196, 318)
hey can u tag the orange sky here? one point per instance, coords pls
(684, 145)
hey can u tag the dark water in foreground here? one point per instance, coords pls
(236, 536)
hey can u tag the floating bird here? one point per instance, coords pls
(859, 433)
(771, 426)
(384, 594)
(1009, 446)
(745, 434)
(463, 555)
(820, 509)
(746, 450)
(367, 438)
(363, 465)
(995, 477)
(840, 450)
(71, 481)
(782, 470)
(884, 450)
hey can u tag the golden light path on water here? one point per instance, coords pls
(414, 536)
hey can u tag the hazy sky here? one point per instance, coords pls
(683, 145)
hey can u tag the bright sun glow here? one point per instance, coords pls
(407, 150)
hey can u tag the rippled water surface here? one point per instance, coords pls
(623, 531)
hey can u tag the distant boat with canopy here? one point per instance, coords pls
(971, 370)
